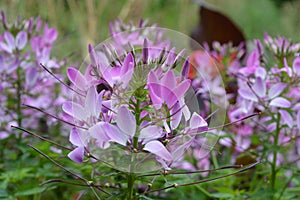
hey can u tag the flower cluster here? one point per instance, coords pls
(23, 46)
(272, 91)
(135, 103)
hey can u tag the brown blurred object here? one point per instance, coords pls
(215, 26)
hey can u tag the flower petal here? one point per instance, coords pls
(185, 68)
(75, 110)
(31, 77)
(158, 149)
(296, 66)
(298, 121)
(127, 70)
(259, 87)
(169, 80)
(51, 35)
(10, 40)
(280, 102)
(115, 134)
(77, 78)
(246, 94)
(182, 88)
(287, 118)
(276, 90)
(176, 115)
(150, 133)
(91, 101)
(99, 133)
(76, 138)
(21, 40)
(77, 154)
(126, 121)
(197, 121)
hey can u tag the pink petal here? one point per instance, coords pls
(259, 87)
(287, 118)
(182, 88)
(126, 121)
(10, 40)
(128, 64)
(5, 47)
(197, 121)
(75, 137)
(115, 134)
(91, 101)
(150, 133)
(31, 77)
(296, 66)
(77, 78)
(246, 94)
(276, 89)
(168, 80)
(158, 149)
(21, 40)
(99, 133)
(77, 154)
(51, 35)
(298, 121)
(93, 56)
(152, 78)
(145, 51)
(280, 102)
(260, 72)
(176, 115)
(185, 69)
(286, 68)
(127, 69)
(253, 59)
(75, 110)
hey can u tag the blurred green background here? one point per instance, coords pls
(82, 22)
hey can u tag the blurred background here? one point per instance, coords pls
(83, 22)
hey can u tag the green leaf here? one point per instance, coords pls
(3, 193)
(222, 195)
(145, 197)
(30, 191)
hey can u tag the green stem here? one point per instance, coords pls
(137, 118)
(275, 146)
(130, 184)
(19, 111)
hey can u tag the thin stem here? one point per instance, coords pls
(19, 111)
(63, 83)
(89, 183)
(42, 138)
(205, 180)
(192, 172)
(275, 146)
(53, 116)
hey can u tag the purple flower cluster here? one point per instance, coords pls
(267, 83)
(134, 102)
(270, 88)
(23, 46)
